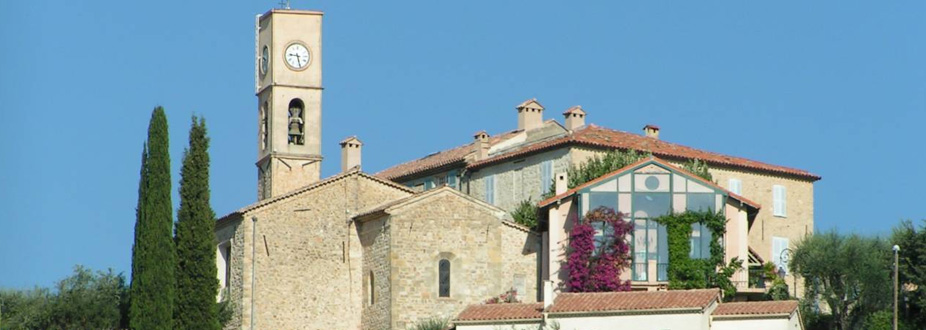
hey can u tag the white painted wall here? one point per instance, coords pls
(791, 323)
(690, 321)
(523, 326)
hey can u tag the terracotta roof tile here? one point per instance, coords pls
(494, 312)
(591, 136)
(438, 159)
(757, 308)
(634, 300)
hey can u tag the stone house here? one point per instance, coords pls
(508, 168)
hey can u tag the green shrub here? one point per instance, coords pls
(434, 323)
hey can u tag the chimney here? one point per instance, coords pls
(481, 145)
(651, 131)
(562, 183)
(530, 115)
(575, 117)
(350, 153)
(548, 294)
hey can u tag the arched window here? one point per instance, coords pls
(296, 122)
(443, 269)
(372, 285)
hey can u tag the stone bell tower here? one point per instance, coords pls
(289, 100)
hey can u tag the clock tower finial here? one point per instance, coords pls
(289, 100)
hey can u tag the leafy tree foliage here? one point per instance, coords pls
(850, 274)
(197, 284)
(699, 168)
(84, 300)
(153, 282)
(912, 272)
(598, 269)
(526, 214)
(687, 273)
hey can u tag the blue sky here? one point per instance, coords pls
(834, 87)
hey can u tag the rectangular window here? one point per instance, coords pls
(452, 179)
(700, 242)
(428, 184)
(779, 244)
(440, 180)
(736, 186)
(779, 201)
(490, 189)
(546, 176)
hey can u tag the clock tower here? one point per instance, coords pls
(289, 100)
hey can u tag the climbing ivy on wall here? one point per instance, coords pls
(699, 168)
(598, 269)
(687, 273)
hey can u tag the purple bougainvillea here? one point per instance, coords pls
(598, 269)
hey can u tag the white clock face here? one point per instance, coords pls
(297, 56)
(264, 60)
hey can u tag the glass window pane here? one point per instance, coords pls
(700, 202)
(598, 199)
(662, 266)
(706, 238)
(444, 274)
(651, 205)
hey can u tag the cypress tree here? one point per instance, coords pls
(154, 257)
(197, 284)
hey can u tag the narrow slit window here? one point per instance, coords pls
(444, 274)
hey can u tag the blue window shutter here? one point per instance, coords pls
(546, 176)
(490, 189)
(428, 184)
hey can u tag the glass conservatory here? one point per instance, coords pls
(642, 194)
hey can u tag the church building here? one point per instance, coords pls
(431, 236)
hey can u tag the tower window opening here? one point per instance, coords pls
(263, 126)
(296, 122)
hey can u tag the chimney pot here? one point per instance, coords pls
(574, 117)
(530, 115)
(481, 145)
(651, 131)
(350, 153)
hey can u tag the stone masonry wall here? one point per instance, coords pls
(517, 180)
(521, 262)
(375, 238)
(307, 257)
(231, 232)
(471, 237)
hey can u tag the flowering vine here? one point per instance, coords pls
(598, 269)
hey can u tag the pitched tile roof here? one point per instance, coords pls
(783, 307)
(590, 136)
(497, 312)
(439, 159)
(577, 108)
(309, 187)
(570, 192)
(634, 300)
